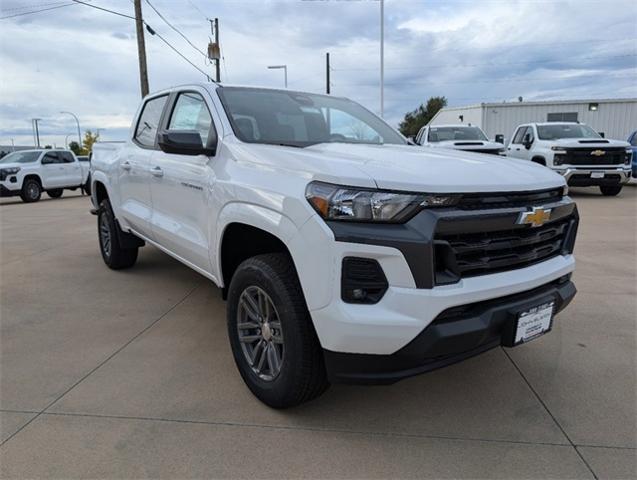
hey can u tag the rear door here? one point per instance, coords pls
(516, 148)
(134, 165)
(181, 185)
(72, 170)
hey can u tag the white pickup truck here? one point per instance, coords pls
(345, 253)
(458, 137)
(575, 151)
(27, 173)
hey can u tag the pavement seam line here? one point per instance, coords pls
(308, 429)
(537, 395)
(135, 337)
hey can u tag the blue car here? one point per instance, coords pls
(632, 139)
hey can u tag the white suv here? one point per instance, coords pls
(345, 253)
(577, 152)
(28, 173)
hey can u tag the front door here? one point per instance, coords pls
(52, 171)
(72, 169)
(181, 186)
(134, 165)
(516, 149)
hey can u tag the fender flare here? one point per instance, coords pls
(539, 159)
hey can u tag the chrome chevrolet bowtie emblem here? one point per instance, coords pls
(598, 153)
(536, 218)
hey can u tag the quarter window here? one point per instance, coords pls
(519, 135)
(149, 121)
(191, 113)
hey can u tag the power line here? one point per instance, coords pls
(104, 9)
(177, 51)
(198, 9)
(36, 11)
(33, 5)
(455, 65)
(175, 29)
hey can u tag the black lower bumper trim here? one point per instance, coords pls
(456, 334)
(5, 192)
(585, 180)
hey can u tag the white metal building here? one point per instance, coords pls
(616, 118)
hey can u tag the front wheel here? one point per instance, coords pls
(114, 255)
(31, 191)
(610, 190)
(55, 193)
(271, 334)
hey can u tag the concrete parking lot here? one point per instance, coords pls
(129, 374)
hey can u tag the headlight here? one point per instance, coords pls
(10, 171)
(629, 156)
(334, 202)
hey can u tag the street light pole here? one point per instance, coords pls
(66, 140)
(382, 58)
(79, 135)
(36, 131)
(285, 71)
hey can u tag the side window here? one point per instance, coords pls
(66, 157)
(149, 121)
(191, 113)
(50, 157)
(519, 135)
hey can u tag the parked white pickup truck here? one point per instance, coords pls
(458, 137)
(28, 173)
(345, 254)
(575, 151)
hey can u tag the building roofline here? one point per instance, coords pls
(541, 102)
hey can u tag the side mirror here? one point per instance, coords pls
(499, 138)
(527, 142)
(185, 142)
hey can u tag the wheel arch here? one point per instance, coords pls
(539, 159)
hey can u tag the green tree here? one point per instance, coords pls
(420, 117)
(75, 148)
(89, 139)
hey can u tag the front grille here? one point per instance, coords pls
(474, 201)
(583, 156)
(470, 254)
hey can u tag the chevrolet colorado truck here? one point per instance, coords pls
(575, 151)
(345, 254)
(458, 137)
(28, 173)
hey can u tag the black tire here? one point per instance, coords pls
(55, 193)
(87, 186)
(302, 375)
(610, 190)
(108, 232)
(31, 190)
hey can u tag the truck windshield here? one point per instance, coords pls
(442, 134)
(555, 132)
(21, 157)
(281, 117)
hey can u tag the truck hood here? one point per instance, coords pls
(12, 165)
(468, 145)
(407, 168)
(589, 142)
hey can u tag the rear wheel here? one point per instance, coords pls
(114, 255)
(55, 193)
(271, 334)
(31, 190)
(610, 190)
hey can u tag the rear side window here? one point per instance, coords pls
(519, 135)
(66, 157)
(51, 157)
(149, 121)
(191, 113)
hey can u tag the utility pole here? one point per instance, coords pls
(214, 50)
(141, 48)
(382, 58)
(327, 73)
(37, 131)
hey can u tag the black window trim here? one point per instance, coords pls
(171, 104)
(161, 120)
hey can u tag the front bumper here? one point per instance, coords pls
(581, 177)
(6, 192)
(454, 335)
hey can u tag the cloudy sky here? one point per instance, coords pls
(74, 57)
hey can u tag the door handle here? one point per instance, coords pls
(126, 166)
(518, 149)
(157, 172)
